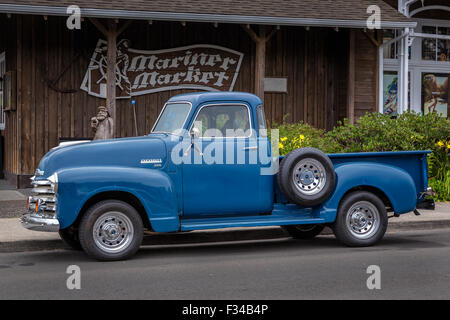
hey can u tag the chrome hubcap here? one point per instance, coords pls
(309, 176)
(363, 219)
(113, 232)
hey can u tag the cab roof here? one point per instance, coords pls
(197, 98)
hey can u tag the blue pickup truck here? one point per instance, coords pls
(208, 163)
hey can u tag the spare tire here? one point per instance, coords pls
(306, 177)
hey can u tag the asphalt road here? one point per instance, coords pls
(414, 265)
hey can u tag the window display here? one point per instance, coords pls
(436, 49)
(435, 90)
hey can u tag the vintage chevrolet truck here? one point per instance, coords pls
(208, 163)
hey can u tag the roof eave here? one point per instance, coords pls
(197, 17)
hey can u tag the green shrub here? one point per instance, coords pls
(297, 135)
(378, 132)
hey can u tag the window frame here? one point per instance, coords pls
(164, 108)
(224, 104)
(257, 110)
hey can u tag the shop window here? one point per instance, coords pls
(390, 93)
(435, 92)
(436, 49)
(392, 51)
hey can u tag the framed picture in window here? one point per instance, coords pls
(390, 90)
(435, 92)
(9, 91)
(390, 93)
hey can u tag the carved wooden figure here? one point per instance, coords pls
(102, 124)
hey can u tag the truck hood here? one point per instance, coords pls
(145, 152)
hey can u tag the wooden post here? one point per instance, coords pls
(111, 73)
(260, 63)
(111, 33)
(260, 60)
(351, 78)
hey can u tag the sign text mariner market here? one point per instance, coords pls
(138, 72)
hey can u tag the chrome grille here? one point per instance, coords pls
(43, 199)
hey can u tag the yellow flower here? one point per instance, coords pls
(280, 145)
(440, 143)
(302, 137)
(283, 139)
(448, 146)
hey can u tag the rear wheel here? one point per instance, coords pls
(361, 220)
(304, 231)
(111, 230)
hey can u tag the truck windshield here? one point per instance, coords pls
(172, 117)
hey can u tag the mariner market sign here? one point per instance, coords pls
(138, 72)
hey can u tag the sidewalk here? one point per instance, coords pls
(12, 200)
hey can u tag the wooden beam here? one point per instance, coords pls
(371, 38)
(99, 26)
(351, 78)
(272, 33)
(251, 33)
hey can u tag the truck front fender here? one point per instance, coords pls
(394, 182)
(153, 188)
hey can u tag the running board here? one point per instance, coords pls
(280, 216)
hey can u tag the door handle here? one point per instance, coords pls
(250, 148)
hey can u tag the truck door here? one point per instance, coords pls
(224, 174)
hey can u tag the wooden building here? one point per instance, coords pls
(312, 61)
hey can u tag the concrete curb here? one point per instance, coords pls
(221, 235)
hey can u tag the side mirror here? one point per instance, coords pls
(195, 133)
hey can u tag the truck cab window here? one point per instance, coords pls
(172, 118)
(223, 121)
(262, 124)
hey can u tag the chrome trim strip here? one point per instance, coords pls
(41, 182)
(37, 222)
(41, 190)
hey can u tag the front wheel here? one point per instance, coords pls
(304, 231)
(70, 237)
(111, 230)
(361, 220)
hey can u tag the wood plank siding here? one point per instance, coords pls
(315, 63)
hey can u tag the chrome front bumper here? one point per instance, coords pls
(38, 222)
(41, 215)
